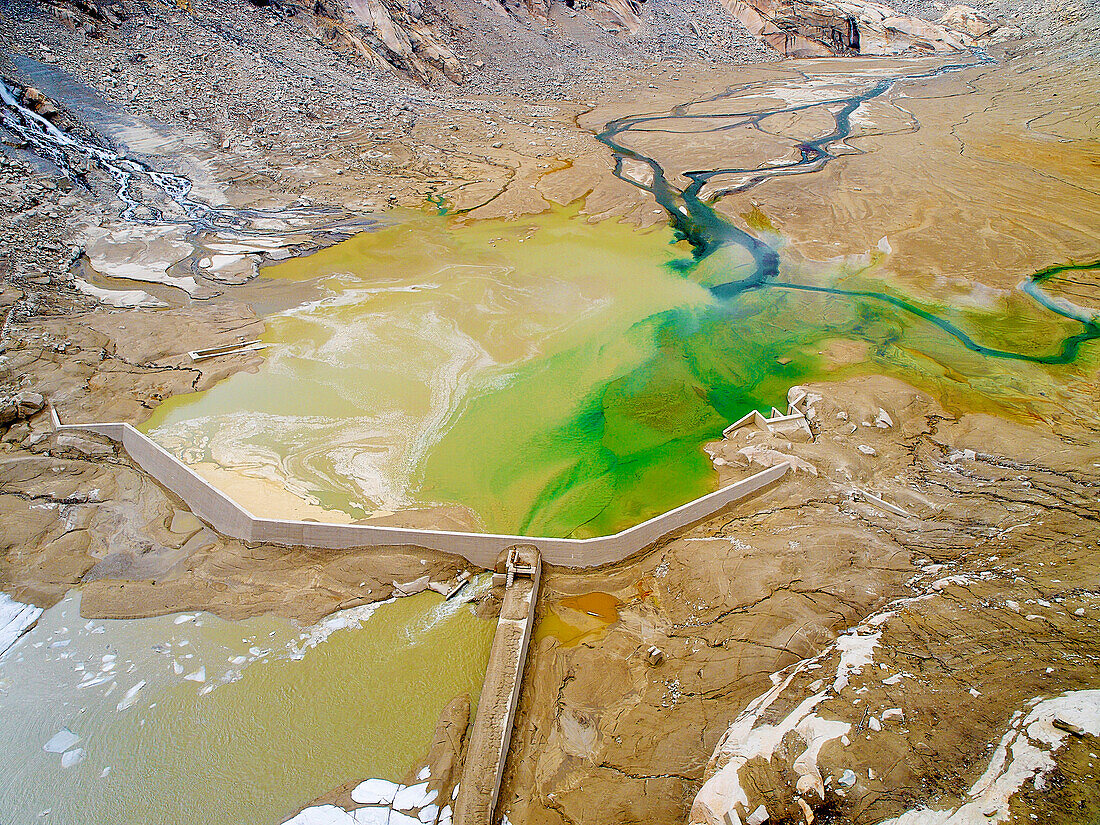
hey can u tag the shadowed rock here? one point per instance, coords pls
(824, 28)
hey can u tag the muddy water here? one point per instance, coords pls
(557, 377)
(189, 718)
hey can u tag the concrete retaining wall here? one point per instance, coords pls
(228, 517)
(487, 754)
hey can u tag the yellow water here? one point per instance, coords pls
(575, 619)
(257, 739)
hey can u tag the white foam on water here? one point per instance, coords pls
(445, 609)
(350, 619)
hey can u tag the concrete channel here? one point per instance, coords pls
(491, 732)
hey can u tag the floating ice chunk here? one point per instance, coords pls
(863, 448)
(373, 791)
(425, 773)
(874, 724)
(184, 617)
(974, 693)
(893, 714)
(758, 816)
(61, 741)
(198, 676)
(371, 816)
(73, 757)
(848, 778)
(103, 774)
(883, 419)
(321, 815)
(454, 792)
(177, 668)
(428, 813)
(130, 696)
(15, 619)
(884, 244)
(414, 796)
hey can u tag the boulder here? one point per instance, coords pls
(966, 19)
(28, 403)
(83, 446)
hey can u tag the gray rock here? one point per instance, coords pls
(84, 446)
(28, 403)
(16, 433)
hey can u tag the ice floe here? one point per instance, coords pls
(130, 696)
(73, 757)
(413, 796)
(61, 741)
(375, 791)
(16, 619)
(387, 803)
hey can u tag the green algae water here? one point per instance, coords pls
(557, 377)
(551, 376)
(191, 718)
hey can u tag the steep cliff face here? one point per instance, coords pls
(823, 28)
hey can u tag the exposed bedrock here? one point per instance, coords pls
(823, 28)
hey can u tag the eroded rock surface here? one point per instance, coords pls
(823, 28)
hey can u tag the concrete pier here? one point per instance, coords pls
(496, 709)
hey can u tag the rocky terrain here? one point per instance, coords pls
(903, 628)
(951, 618)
